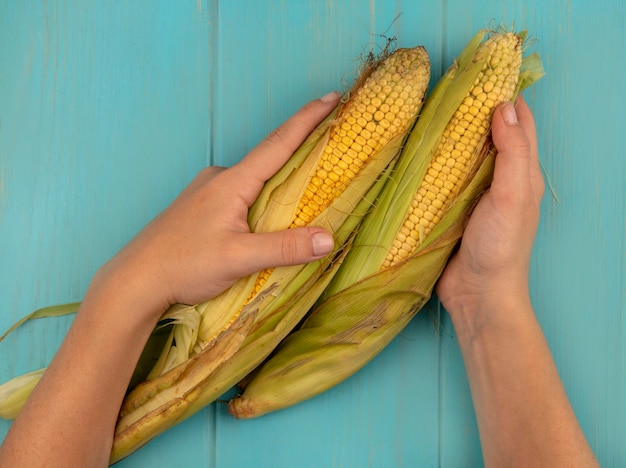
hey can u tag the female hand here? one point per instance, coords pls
(493, 260)
(523, 414)
(201, 243)
(191, 252)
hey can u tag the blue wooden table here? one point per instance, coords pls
(109, 108)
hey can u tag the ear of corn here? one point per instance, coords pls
(347, 160)
(376, 113)
(441, 156)
(331, 181)
(445, 166)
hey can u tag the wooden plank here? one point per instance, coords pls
(577, 277)
(105, 111)
(581, 256)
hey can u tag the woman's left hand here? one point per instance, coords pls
(201, 244)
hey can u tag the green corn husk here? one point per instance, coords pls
(364, 308)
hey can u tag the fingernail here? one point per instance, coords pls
(323, 243)
(508, 113)
(333, 96)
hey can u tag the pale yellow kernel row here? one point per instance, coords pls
(382, 108)
(459, 144)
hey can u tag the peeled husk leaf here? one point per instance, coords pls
(14, 393)
(51, 311)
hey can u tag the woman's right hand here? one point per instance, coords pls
(523, 414)
(493, 259)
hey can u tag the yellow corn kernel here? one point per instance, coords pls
(374, 115)
(462, 140)
(403, 73)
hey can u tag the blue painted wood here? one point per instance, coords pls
(104, 110)
(370, 420)
(108, 109)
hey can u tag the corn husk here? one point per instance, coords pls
(197, 352)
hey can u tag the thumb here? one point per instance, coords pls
(513, 145)
(283, 248)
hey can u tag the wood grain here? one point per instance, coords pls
(108, 109)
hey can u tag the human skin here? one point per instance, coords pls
(523, 414)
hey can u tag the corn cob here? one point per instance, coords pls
(460, 143)
(368, 129)
(375, 115)
(209, 347)
(389, 273)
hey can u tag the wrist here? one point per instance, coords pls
(496, 303)
(123, 283)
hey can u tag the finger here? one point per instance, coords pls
(274, 151)
(527, 122)
(512, 168)
(282, 248)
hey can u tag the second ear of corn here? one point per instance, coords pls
(405, 242)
